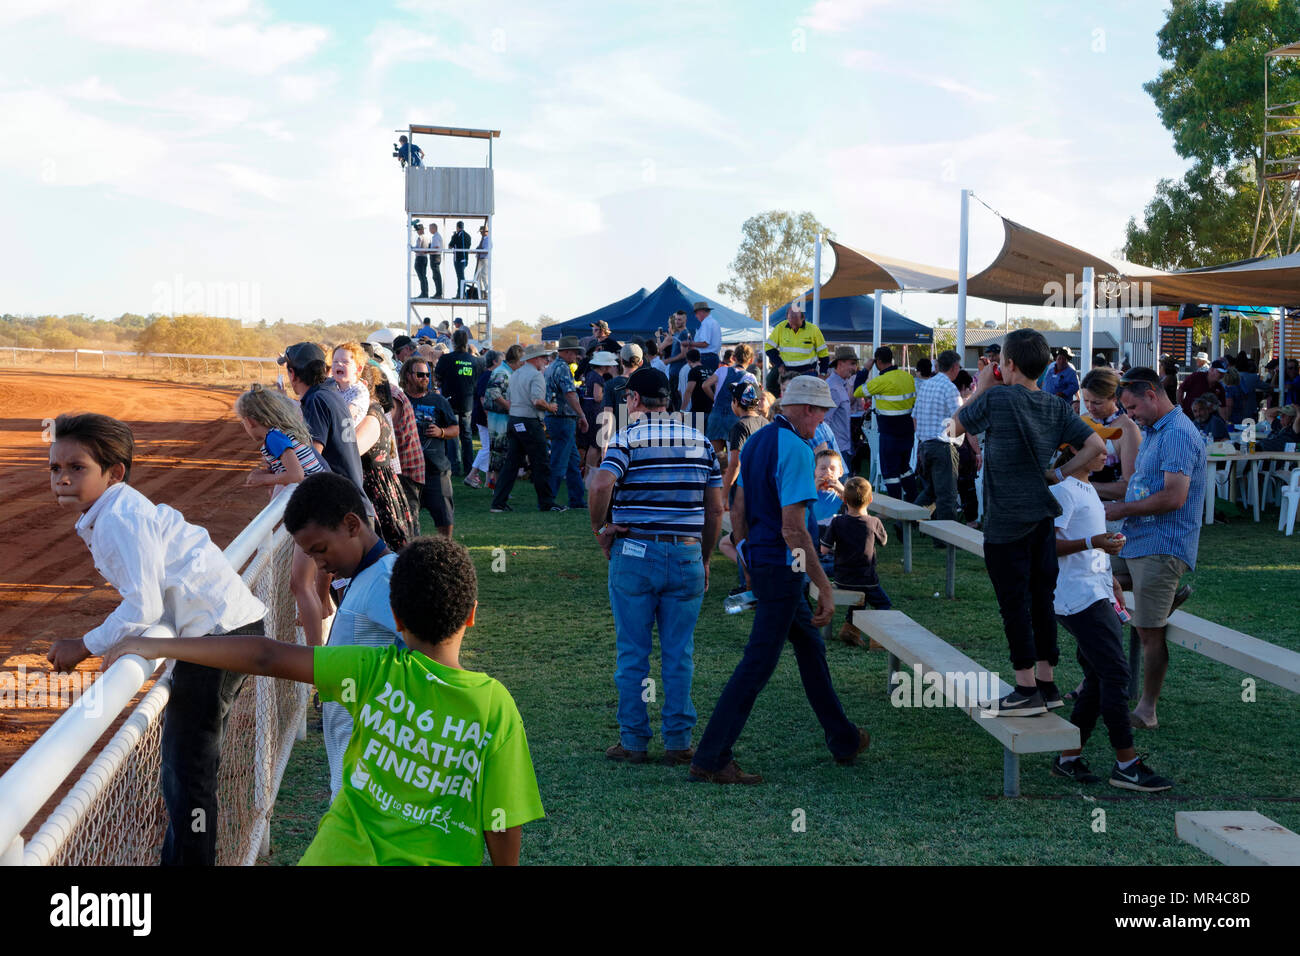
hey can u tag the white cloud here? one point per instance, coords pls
(834, 16)
(237, 34)
(392, 43)
(869, 61)
(94, 89)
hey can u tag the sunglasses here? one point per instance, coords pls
(420, 374)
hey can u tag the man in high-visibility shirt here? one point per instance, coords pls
(892, 393)
(797, 347)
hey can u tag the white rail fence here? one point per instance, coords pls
(99, 358)
(114, 814)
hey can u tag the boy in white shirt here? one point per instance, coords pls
(169, 573)
(1085, 603)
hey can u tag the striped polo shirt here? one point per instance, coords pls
(661, 467)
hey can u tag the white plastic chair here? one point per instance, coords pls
(1290, 501)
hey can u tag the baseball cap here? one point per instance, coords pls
(1220, 365)
(745, 394)
(807, 390)
(401, 341)
(631, 353)
(301, 354)
(994, 349)
(649, 383)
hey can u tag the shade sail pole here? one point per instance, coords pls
(1088, 312)
(961, 274)
(1216, 347)
(1280, 350)
(817, 282)
(875, 328)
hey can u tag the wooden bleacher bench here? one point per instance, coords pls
(1268, 662)
(903, 512)
(955, 535)
(842, 599)
(1239, 837)
(911, 644)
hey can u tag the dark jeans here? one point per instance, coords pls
(937, 463)
(782, 613)
(194, 725)
(459, 266)
(1105, 673)
(528, 443)
(465, 421)
(565, 465)
(874, 593)
(1023, 573)
(895, 456)
(436, 268)
(421, 266)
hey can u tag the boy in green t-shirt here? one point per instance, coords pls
(438, 762)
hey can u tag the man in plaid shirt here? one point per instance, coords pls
(409, 453)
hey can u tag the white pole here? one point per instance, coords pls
(875, 329)
(409, 266)
(817, 282)
(961, 274)
(1089, 308)
(766, 332)
(1216, 348)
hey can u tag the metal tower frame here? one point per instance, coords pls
(1280, 167)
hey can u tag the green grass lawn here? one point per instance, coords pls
(929, 789)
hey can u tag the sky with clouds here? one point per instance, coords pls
(152, 144)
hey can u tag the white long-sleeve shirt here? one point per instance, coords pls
(168, 571)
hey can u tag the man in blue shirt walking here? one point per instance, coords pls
(771, 517)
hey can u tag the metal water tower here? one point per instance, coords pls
(445, 195)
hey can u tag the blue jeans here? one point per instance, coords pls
(565, 464)
(782, 613)
(664, 585)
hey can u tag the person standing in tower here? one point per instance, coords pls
(459, 240)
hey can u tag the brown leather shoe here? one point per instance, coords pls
(617, 752)
(851, 636)
(678, 758)
(864, 741)
(731, 773)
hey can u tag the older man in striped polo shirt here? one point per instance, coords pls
(656, 509)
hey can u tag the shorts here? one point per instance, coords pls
(1155, 579)
(436, 496)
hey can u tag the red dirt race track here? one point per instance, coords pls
(190, 452)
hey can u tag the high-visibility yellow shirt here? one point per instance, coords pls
(803, 347)
(892, 392)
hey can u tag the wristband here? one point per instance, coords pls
(1059, 477)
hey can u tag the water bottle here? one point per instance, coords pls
(736, 603)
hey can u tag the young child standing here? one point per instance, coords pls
(438, 762)
(853, 537)
(1023, 427)
(169, 573)
(1085, 603)
(327, 518)
(289, 456)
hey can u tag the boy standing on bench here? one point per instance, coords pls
(1022, 428)
(1087, 598)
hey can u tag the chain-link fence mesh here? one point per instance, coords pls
(114, 816)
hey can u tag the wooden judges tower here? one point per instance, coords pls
(444, 195)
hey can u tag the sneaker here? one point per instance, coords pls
(864, 741)
(1015, 704)
(678, 758)
(1139, 777)
(617, 752)
(1051, 695)
(496, 511)
(1075, 770)
(473, 482)
(731, 773)
(556, 509)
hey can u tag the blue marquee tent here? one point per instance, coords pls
(850, 319)
(651, 312)
(581, 325)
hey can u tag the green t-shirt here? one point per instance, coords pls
(437, 757)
